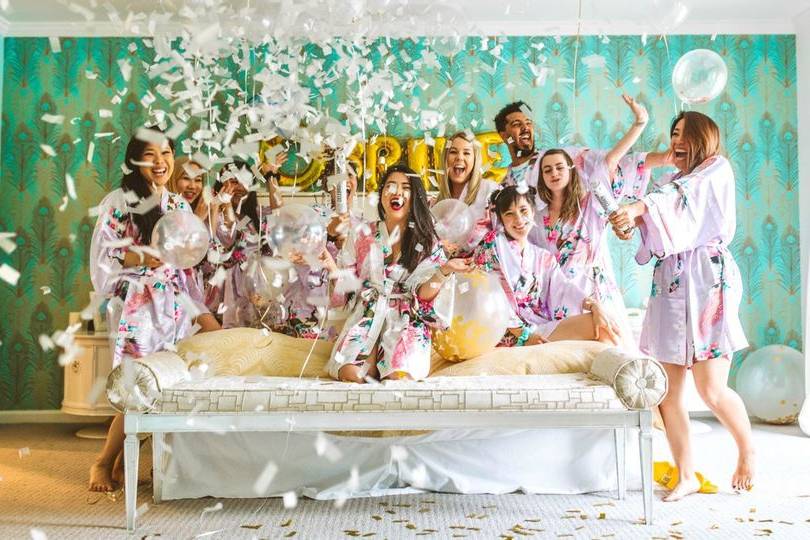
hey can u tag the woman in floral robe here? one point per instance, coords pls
(396, 267)
(688, 222)
(547, 305)
(150, 305)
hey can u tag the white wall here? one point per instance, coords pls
(803, 98)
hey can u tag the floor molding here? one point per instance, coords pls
(47, 417)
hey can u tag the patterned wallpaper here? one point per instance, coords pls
(756, 113)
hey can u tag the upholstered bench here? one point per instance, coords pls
(160, 394)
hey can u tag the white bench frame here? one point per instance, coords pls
(158, 424)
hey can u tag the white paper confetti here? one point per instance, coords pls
(9, 275)
(263, 481)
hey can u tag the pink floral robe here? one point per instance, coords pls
(693, 313)
(386, 316)
(148, 309)
(538, 290)
(580, 245)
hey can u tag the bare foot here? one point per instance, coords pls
(686, 486)
(743, 478)
(118, 469)
(100, 477)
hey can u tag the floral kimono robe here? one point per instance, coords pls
(387, 318)
(580, 246)
(693, 313)
(147, 309)
(230, 298)
(539, 292)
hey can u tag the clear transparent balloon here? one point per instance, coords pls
(771, 383)
(265, 281)
(480, 315)
(454, 221)
(181, 238)
(297, 230)
(699, 76)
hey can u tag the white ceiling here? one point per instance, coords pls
(515, 17)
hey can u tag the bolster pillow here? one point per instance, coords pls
(640, 382)
(135, 385)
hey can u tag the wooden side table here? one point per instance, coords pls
(85, 382)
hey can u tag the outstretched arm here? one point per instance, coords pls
(617, 152)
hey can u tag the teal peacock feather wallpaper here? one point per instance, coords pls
(756, 113)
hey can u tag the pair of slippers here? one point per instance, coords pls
(666, 474)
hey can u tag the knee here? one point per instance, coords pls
(712, 396)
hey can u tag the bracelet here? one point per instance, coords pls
(640, 123)
(524, 336)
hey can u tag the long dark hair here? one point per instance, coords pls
(250, 203)
(420, 230)
(135, 182)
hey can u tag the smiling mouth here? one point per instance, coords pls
(525, 138)
(396, 204)
(190, 195)
(459, 170)
(679, 154)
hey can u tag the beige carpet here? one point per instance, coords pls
(43, 470)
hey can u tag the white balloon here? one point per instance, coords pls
(297, 229)
(454, 221)
(699, 76)
(479, 312)
(771, 383)
(181, 238)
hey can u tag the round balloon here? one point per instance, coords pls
(265, 281)
(181, 238)
(699, 76)
(454, 221)
(480, 317)
(296, 229)
(771, 383)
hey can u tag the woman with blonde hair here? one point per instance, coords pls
(687, 222)
(463, 180)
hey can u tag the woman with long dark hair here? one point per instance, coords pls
(400, 267)
(150, 305)
(687, 222)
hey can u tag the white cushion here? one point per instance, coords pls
(570, 391)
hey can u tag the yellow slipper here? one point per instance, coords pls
(666, 474)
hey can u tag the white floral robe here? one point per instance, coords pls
(693, 313)
(387, 318)
(581, 245)
(147, 309)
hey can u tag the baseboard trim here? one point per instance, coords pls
(47, 417)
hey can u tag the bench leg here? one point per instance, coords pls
(131, 451)
(157, 466)
(619, 435)
(645, 447)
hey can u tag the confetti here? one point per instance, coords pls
(9, 275)
(262, 483)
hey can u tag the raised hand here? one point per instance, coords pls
(639, 111)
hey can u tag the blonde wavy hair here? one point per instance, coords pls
(473, 180)
(177, 174)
